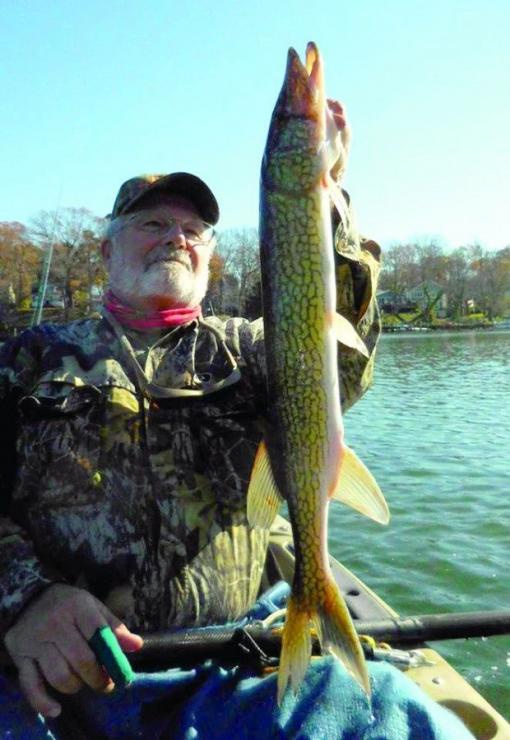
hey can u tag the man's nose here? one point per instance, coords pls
(175, 235)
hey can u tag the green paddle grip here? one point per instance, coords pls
(108, 652)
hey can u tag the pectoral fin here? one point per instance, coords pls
(356, 487)
(338, 200)
(264, 498)
(332, 144)
(347, 334)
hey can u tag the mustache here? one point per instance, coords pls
(163, 254)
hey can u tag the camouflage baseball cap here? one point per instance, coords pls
(180, 183)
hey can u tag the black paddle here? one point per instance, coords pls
(190, 646)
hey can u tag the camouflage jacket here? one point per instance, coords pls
(143, 502)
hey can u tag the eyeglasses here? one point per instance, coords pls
(195, 230)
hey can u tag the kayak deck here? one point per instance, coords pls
(439, 680)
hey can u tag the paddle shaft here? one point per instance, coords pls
(190, 646)
(429, 627)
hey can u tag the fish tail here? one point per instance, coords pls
(338, 635)
(296, 647)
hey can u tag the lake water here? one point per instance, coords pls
(435, 431)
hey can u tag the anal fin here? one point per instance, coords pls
(346, 334)
(356, 487)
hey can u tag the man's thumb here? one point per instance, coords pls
(128, 641)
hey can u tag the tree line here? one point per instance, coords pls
(77, 277)
(468, 276)
(471, 278)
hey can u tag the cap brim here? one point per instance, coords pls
(188, 186)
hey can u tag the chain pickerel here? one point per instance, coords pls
(303, 458)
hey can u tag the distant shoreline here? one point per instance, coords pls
(450, 326)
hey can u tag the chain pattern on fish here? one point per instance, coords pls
(303, 456)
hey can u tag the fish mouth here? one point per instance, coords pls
(303, 92)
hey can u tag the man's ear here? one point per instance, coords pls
(106, 251)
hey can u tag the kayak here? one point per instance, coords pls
(433, 674)
(186, 659)
(407, 649)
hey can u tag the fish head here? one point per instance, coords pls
(301, 144)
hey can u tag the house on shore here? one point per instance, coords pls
(418, 297)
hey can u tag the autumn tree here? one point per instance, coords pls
(399, 271)
(457, 276)
(239, 249)
(19, 264)
(212, 300)
(490, 279)
(253, 304)
(75, 236)
(88, 271)
(430, 262)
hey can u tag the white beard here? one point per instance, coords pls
(160, 280)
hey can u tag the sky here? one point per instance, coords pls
(96, 92)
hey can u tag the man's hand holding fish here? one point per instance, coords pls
(147, 450)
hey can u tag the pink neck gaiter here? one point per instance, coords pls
(163, 319)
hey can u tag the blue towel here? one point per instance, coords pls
(213, 702)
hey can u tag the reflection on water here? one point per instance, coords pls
(435, 431)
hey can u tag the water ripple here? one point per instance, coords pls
(435, 431)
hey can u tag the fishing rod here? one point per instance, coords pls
(260, 645)
(192, 645)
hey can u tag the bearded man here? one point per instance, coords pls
(128, 445)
